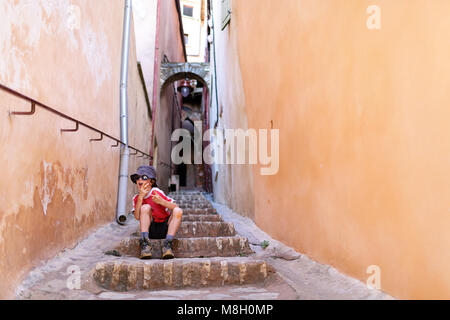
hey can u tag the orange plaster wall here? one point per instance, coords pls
(364, 140)
(55, 187)
(234, 184)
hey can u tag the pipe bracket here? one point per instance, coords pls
(77, 126)
(101, 138)
(30, 113)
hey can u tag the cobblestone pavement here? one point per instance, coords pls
(69, 275)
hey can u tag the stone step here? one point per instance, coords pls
(195, 201)
(197, 211)
(202, 218)
(195, 206)
(187, 192)
(205, 247)
(192, 202)
(199, 229)
(183, 193)
(206, 229)
(189, 198)
(123, 275)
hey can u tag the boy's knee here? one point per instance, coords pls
(178, 213)
(146, 209)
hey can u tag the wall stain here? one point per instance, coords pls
(33, 236)
(49, 181)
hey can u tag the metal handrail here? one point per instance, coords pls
(35, 103)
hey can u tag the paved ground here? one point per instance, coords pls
(297, 277)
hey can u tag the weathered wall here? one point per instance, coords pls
(56, 187)
(139, 117)
(171, 45)
(144, 12)
(234, 184)
(364, 142)
(196, 29)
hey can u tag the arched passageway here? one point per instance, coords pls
(187, 111)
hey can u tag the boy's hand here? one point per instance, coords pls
(157, 199)
(144, 189)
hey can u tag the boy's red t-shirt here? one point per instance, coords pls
(159, 213)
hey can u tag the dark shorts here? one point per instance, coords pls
(158, 230)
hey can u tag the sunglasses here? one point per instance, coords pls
(136, 177)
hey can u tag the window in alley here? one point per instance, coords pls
(186, 39)
(188, 11)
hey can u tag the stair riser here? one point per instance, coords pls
(202, 218)
(191, 247)
(200, 199)
(193, 203)
(168, 275)
(186, 195)
(193, 206)
(189, 211)
(206, 229)
(202, 229)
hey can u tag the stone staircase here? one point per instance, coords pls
(208, 253)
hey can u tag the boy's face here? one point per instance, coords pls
(144, 180)
(141, 182)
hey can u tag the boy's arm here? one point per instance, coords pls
(167, 204)
(142, 193)
(137, 210)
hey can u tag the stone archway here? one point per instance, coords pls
(171, 72)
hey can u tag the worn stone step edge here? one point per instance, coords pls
(201, 229)
(191, 247)
(181, 273)
(198, 229)
(202, 218)
(194, 206)
(189, 205)
(191, 198)
(200, 194)
(189, 211)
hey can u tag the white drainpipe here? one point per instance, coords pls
(121, 214)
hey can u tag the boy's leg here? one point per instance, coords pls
(145, 221)
(175, 222)
(174, 225)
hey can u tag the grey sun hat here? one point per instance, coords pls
(148, 171)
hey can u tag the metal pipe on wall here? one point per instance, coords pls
(215, 63)
(155, 79)
(121, 214)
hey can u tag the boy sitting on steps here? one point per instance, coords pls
(158, 215)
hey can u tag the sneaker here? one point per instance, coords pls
(146, 249)
(167, 250)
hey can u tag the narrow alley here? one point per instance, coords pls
(213, 263)
(224, 150)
